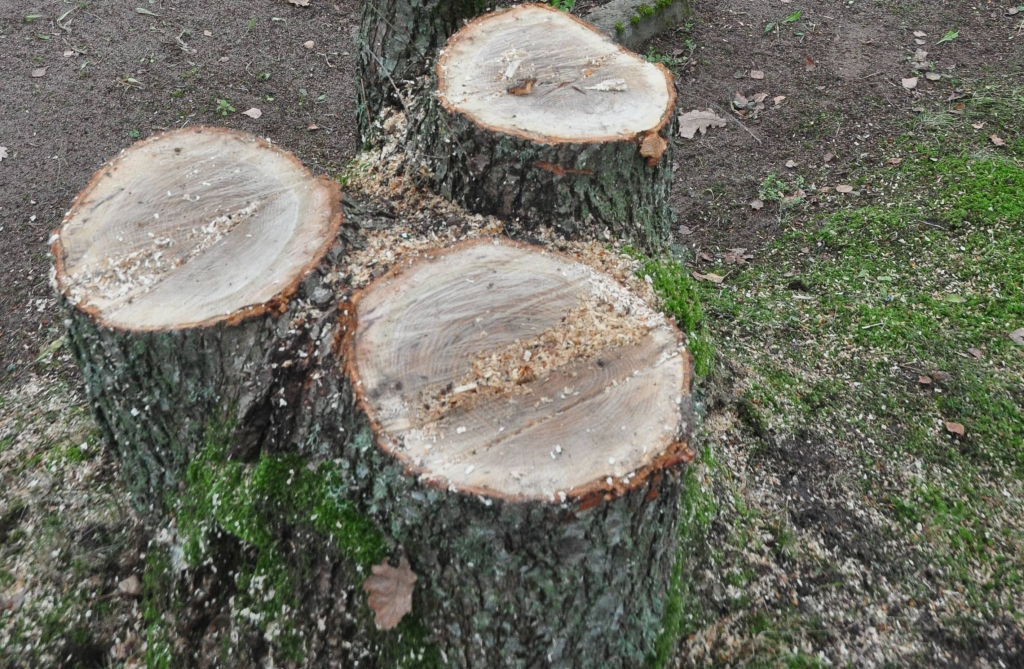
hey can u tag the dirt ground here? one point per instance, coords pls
(80, 82)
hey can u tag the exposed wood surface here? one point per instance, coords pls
(538, 72)
(190, 227)
(496, 368)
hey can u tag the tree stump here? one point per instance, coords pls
(398, 41)
(525, 419)
(540, 118)
(178, 266)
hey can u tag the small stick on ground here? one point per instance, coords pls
(738, 122)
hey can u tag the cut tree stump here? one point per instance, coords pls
(398, 41)
(541, 119)
(524, 422)
(177, 266)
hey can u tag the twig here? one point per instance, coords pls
(873, 74)
(733, 117)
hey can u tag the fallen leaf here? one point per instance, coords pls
(3, 152)
(924, 380)
(778, 99)
(69, 53)
(756, 74)
(791, 164)
(252, 113)
(309, 45)
(684, 231)
(704, 256)
(757, 205)
(145, 12)
(1013, 11)
(809, 63)
(39, 72)
(828, 157)
(300, 3)
(1017, 336)
(312, 126)
(932, 76)
(739, 101)
(920, 33)
(713, 278)
(979, 125)
(224, 59)
(759, 98)
(130, 587)
(955, 428)
(997, 140)
(920, 42)
(949, 37)
(652, 148)
(920, 55)
(942, 377)
(844, 188)
(977, 353)
(524, 88)
(894, 161)
(208, 33)
(691, 122)
(390, 591)
(738, 256)
(910, 83)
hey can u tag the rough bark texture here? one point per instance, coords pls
(398, 40)
(154, 394)
(585, 190)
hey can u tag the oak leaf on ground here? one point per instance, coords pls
(390, 589)
(692, 121)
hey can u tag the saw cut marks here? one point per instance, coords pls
(192, 226)
(504, 370)
(540, 73)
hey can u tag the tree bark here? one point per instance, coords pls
(179, 321)
(398, 41)
(611, 179)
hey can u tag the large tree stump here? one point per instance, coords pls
(178, 266)
(398, 41)
(540, 118)
(525, 419)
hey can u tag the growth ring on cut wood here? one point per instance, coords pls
(540, 117)
(191, 227)
(497, 369)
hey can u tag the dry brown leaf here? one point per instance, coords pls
(844, 188)
(828, 157)
(130, 587)
(252, 113)
(977, 353)
(39, 72)
(955, 428)
(299, 3)
(738, 256)
(713, 278)
(932, 76)
(979, 125)
(3, 152)
(756, 74)
(924, 380)
(778, 99)
(757, 205)
(894, 161)
(1017, 336)
(791, 164)
(910, 83)
(920, 33)
(390, 591)
(312, 126)
(652, 147)
(920, 42)
(997, 140)
(920, 56)
(309, 45)
(69, 53)
(809, 63)
(691, 122)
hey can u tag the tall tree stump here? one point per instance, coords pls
(398, 41)
(525, 419)
(540, 118)
(178, 265)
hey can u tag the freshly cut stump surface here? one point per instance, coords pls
(511, 372)
(540, 117)
(175, 265)
(191, 227)
(528, 419)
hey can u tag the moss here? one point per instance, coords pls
(676, 288)
(619, 27)
(683, 608)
